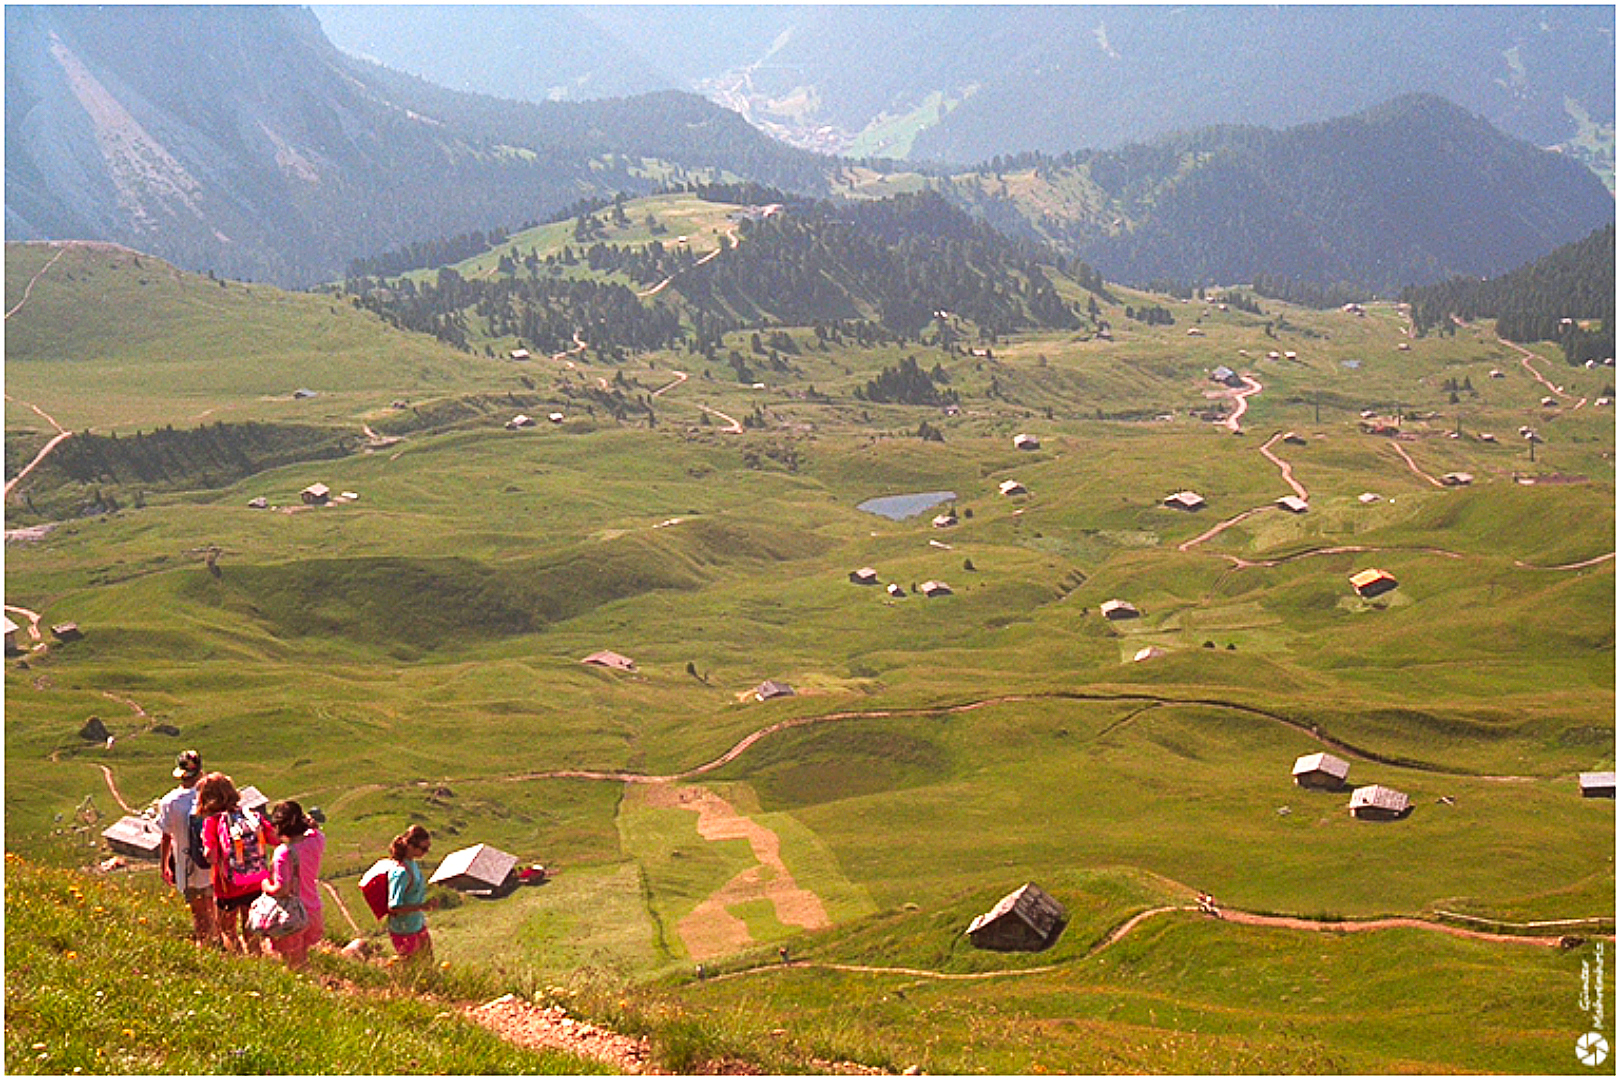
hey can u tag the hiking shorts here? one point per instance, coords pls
(410, 944)
(193, 895)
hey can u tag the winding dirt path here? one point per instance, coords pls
(1286, 469)
(62, 433)
(337, 898)
(733, 426)
(1410, 464)
(112, 786)
(1241, 396)
(1525, 356)
(31, 616)
(1188, 545)
(1582, 565)
(28, 290)
(680, 377)
(1231, 915)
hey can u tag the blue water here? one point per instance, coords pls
(900, 507)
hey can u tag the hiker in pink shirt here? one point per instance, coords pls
(294, 871)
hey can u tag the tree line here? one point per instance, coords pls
(1546, 300)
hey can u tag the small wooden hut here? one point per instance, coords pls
(1027, 920)
(1321, 772)
(1597, 785)
(1370, 583)
(140, 837)
(1378, 803)
(480, 870)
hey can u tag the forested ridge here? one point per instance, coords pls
(1546, 300)
(1411, 192)
(899, 264)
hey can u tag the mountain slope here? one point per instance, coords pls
(238, 139)
(1409, 192)
(898, 80)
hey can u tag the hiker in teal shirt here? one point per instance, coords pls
(407, 895)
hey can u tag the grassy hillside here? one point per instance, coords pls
(101, 979)
(413, 655)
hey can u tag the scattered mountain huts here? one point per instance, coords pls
(1293, 438)
(1026, 920)
(1597, 785)
(1226, 376)
(934, 588)
(1457, 479)
(480, 870)
(895, 590)
(1026, 442)
(519, 354)
(1293, 504)
(1184, 500)
(11, 629)
(519, 421)
(1378, 803)
(1119, 609)
(555, 417)
(67, 631)
(258, 502)
(1371, 583)
(864, 576)
(1013, 487)
(1321, 772)
(1152, 652)
(140, 837)
(316, 495)
(1367, 498)
(945, 520)
(770, 688)
(613, 660)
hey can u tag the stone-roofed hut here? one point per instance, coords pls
(770, 688)
(1027, 920)
(1321, 772)
(1378, 803)
(137, 836)
(1119, 609)
(480, 870)
(1184, 500)
(1597, 785)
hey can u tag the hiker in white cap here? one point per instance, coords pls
(178, 855)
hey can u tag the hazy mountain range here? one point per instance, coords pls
(240, 140)
(961, 83)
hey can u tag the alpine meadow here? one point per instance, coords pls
(1140, 608)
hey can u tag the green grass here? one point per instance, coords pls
(100, 978)
(414, 656)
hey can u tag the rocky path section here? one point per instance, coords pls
(549, 1027)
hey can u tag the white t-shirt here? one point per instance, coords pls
(173, 811)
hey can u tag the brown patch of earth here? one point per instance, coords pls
(711, 930)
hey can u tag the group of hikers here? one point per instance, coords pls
(223, 858)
